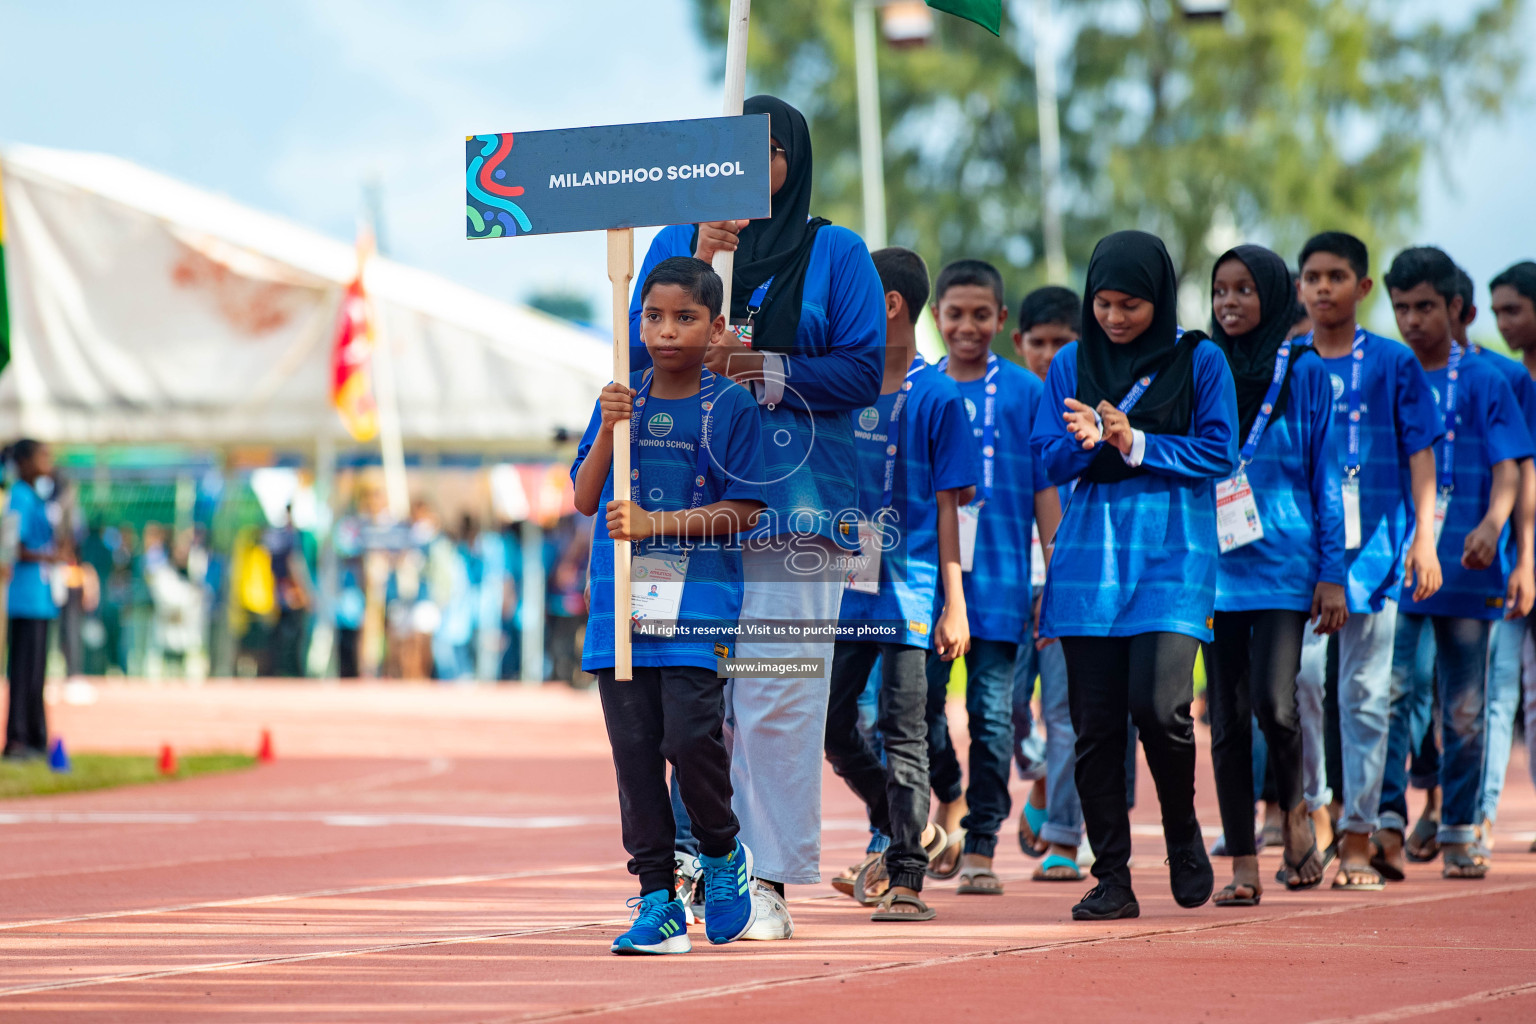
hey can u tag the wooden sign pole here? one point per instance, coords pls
(735, 93)
(621, 269)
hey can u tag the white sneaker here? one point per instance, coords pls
(772, 920)
(688, 875)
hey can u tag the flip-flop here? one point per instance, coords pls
(954, 841)
(1057, 863)
(843, 883)
(1236, 900)
(1031, 821)
(885, 913)
(1385, 868)
(1341, 883)
(1285, 877)
(1421, 845)
(1460, 864)
(871, 884)
(971, 878)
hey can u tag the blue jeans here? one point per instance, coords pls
(1461, 664)
(1063, 810)
(1365, 700)
(1503, 704)
(989, 708)
(1028, 745)
(1423, 741)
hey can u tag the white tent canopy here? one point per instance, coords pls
(146, 310)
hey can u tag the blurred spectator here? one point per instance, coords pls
(292, 590)
(567, 547)
(31, 606)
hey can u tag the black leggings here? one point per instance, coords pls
(1150, 679)
(26, 728)
(677, 715)
(1250, 671)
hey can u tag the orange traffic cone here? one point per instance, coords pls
(167, 760)
(265, 754)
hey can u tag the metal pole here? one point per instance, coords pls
(533, 603)
(871, 141)
(1050, 144)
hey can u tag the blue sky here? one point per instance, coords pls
(289, 105)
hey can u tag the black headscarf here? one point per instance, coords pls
(1138, 264)
(1252, 355)
(779, 247)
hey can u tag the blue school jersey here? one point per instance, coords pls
(1139, 555)
(29, 595)
(1297, 487)
(934, 452)
(997, 590)
(1520, 382)
(1489, 429)
(667, 462)
(835, 370)
(1398, 419)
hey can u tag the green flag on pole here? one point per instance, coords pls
(986, 13)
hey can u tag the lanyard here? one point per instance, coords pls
(1356, 378)
(1134, 395)
(1282, 360)
(891, 434)
(1448, 460)
(988, 425)
(706, 405)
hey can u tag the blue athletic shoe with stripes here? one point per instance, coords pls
(659, 925)
(728, 905)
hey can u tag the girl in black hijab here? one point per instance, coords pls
(1268, 586)
(1139, 418)
(816, 355)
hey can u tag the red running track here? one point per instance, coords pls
(425, 854)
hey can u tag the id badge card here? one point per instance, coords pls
(1351, 513)
(1442, 508)
(864, 575)
(743, 331)
(1237, 514)
(656, 584)
(1036, 558)
(970, 515)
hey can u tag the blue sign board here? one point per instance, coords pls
(617, 176)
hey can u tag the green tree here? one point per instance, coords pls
(563, 303)
(1290, 117)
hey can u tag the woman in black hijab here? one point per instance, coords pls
(816, 354)
(1139, 418)
(1269, 585)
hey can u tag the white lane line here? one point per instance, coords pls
(1411, 1010)
(285, 897)
(340, 819)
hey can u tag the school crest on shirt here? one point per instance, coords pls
(659, 425)
(970, 409)
(869, 419)
(1338, 386)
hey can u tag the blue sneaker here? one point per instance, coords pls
(660, 925)
(728, 909)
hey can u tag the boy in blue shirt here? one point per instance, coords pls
(1385, 426)
(1051, 821)
(1001, 400)
(695, 448)
(1479, 480)
(918, 466)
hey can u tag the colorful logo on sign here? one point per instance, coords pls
(484, 178)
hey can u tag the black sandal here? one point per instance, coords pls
(1236, 900)
(1292, 868)
(885, 913)
(1384, 867)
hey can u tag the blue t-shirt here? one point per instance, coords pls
(29, 596)
(934, 452)
(667, 462)
(1398, 419)
(1139, 555)
(1297, 486)
(835, 370)
(997, 590)
(1489, 429)
(1520, 382)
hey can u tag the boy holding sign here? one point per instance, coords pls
(695, 449)
(918, 466)
(1478, 482)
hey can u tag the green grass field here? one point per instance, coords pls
(105, 771)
